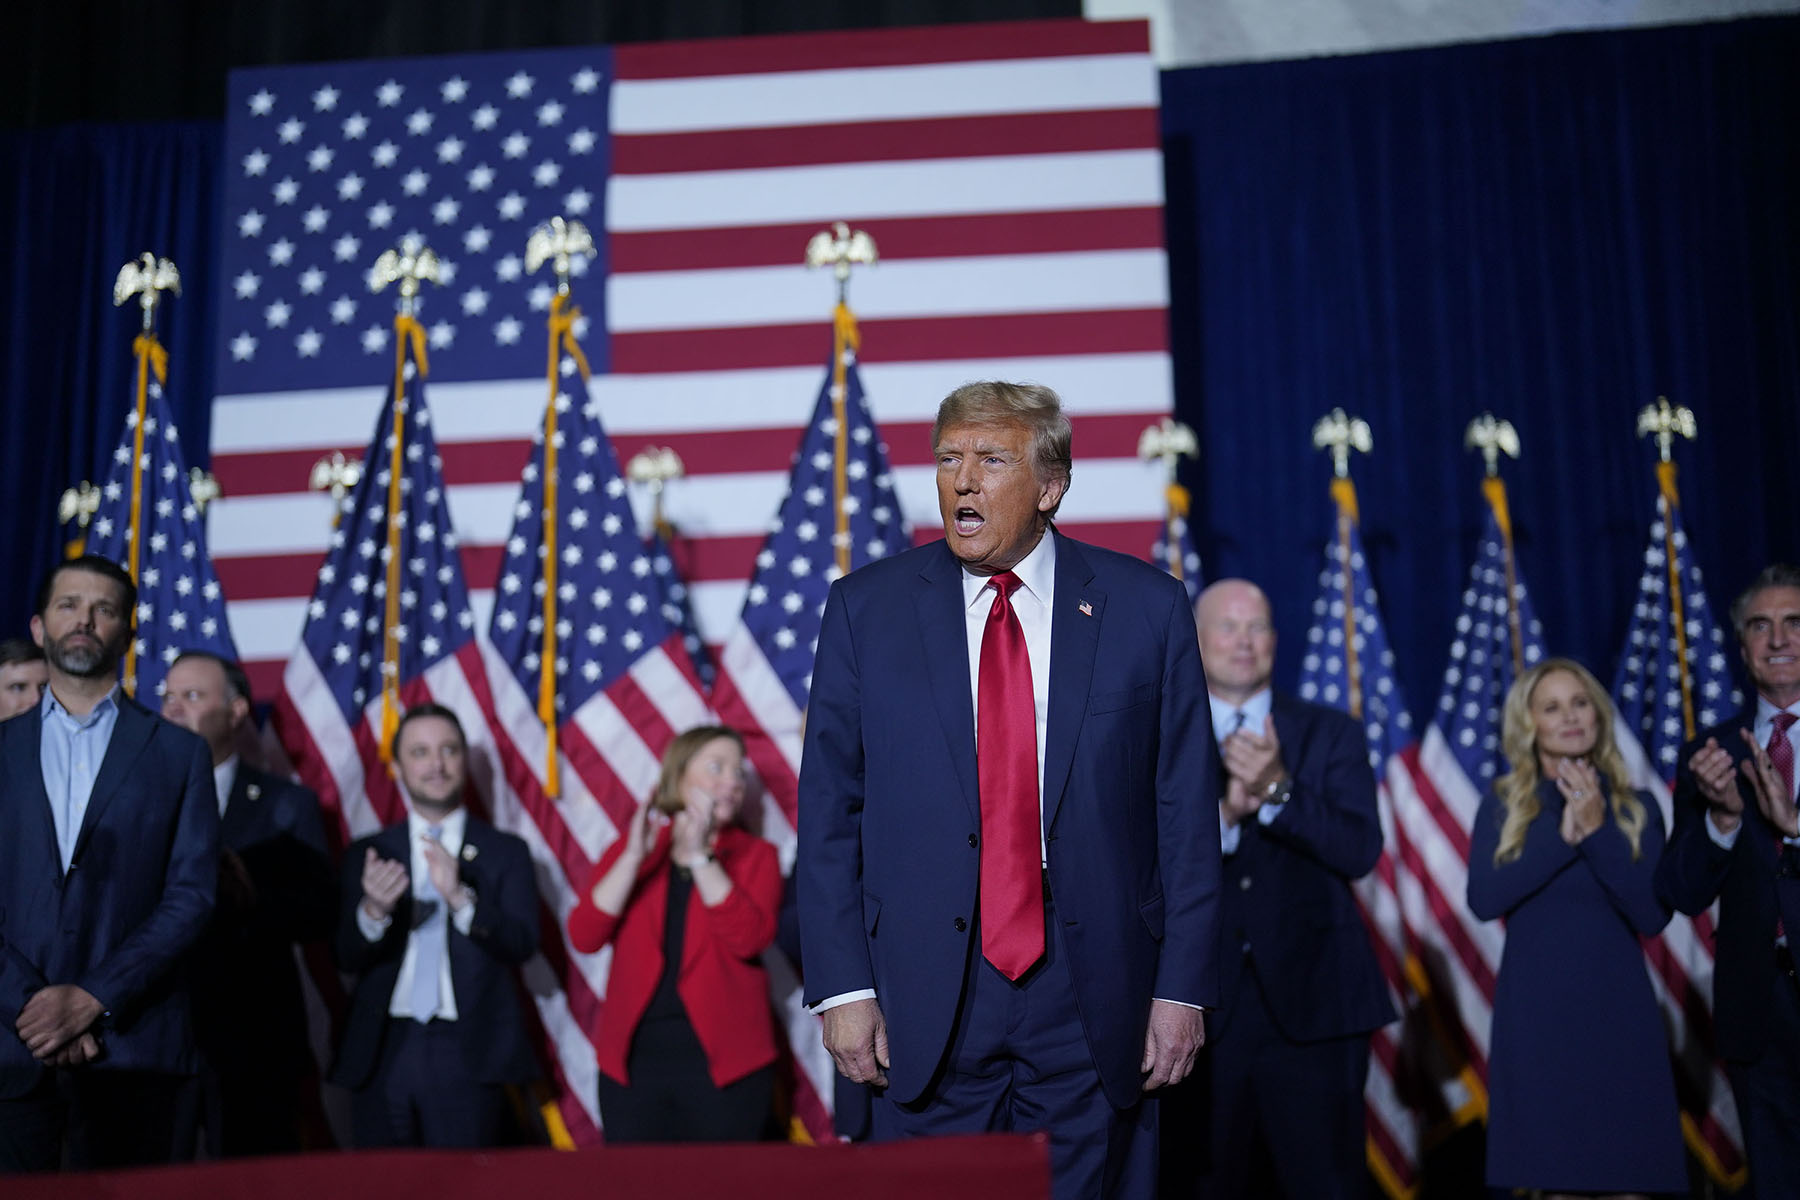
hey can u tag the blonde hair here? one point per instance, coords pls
(1518, 789)
(1038, 408)
(667, 797)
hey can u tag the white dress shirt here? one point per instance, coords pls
(450, 836)
(1225, 722)
(1762, 730)
(224, 779)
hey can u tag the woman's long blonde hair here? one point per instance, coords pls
(1518, 789)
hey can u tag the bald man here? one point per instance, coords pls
(1279, 1087)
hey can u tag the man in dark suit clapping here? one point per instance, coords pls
(1737, 840)
(276, 888)
(1300, 991)
(109, 842)
(435, 912)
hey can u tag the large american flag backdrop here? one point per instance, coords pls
(1011, 176)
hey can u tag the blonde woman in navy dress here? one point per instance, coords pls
(1581, 1097)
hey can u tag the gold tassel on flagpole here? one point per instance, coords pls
(409, 266)
(145, 277)
(556, 242)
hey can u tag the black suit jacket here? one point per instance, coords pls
(1287, 886)
(248, 1005)
(1752, 881)
(503, 934)
(137, 895)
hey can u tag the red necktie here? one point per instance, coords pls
(1781, 754)
(1012, 885)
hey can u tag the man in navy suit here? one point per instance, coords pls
(107, 868)
(1737, 839)
(436, 912)
(276, 888)
(1008, 862)
(1280, 1087)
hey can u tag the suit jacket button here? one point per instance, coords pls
(961, 925)
(974, 841)
(1244, 883)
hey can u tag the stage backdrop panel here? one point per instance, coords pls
(1011, 176)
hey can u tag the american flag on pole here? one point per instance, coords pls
(580, 597)
(1674, 679)
(180, 603)
(1012, 175)
(1497, 637)
(678, 610)
(1349, 666)
(765, 670)
(374, 598)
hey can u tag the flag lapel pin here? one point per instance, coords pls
(1087, 610)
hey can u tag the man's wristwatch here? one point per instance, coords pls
(1279, 791)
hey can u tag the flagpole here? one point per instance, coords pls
(145, 277)
(555, 242)
(1493, 438)
(1665, 422)
(409, 266)
(839, 248)
(1168, 442)
(1340, 433)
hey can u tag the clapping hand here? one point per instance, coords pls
(1254, 757)
(1584, 807)
(1716, 777)
(445, 876)
(1772, 795)
(384, 881)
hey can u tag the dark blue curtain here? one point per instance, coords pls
(1557, 229)
(75, 204)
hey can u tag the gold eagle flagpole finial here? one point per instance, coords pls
(147, 277)
(411, 265)
(560, 243)
(203, 486)
(1493, 437)
(1340, 433)
(78, 504)
(841, 248)
(1665, 422)
(654, 466)
(338, 475)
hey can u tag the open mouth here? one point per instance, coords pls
(967, 521)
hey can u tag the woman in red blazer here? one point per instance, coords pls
(688, 899)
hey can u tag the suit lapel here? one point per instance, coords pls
(243, 806)
(131, 734)
(1078, 609)
(25, 784)
(944, 637)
